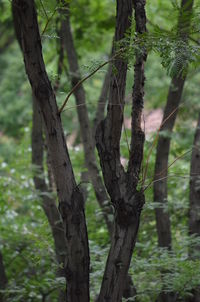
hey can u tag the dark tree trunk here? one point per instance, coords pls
(161, 165)
(3, 279)
(163, 224)
(194, 212)
(127, 200)
(48, 203)
(102, 99)
(163, 147)
(71, 203)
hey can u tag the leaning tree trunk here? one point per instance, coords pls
(3, 279)
(121, 185)
(163, 146)
(71, 203)
(194, 212)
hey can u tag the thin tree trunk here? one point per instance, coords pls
(127, 200)
(102, 99)
(3, 279)
(85, 128)
(48, 203)
(161, 165)
(163, 224)
(71, 203)
(163, 147)
(194, 212)
(60, 63)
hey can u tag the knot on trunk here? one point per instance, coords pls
(128, 212)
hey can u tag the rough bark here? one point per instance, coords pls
(163, 146)
(71, 203)
(48, 203)
(85, 128)
(127, 200)
(3, 278)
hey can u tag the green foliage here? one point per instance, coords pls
(25, 237)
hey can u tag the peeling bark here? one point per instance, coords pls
(126, 199)
(71, 203)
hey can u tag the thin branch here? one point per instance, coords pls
(44, 10)
(177, 158)
(80, 82)
(87, 77)
(154, 143)
(48, 21)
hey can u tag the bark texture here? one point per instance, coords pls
(71, 203)
(127, 200)
(3, 278)
(85, 127)
(163, 146)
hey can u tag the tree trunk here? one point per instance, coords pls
(163, 224)
(48, 203)
(3, 279)
(127, 200)
(71, 203)
(163, 147)
(102, 99)
(194, 212)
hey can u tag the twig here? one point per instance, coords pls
(156, 180)
(154, 143)
(87, 77)
(44, 10)
(48, 20)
